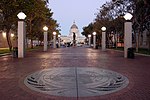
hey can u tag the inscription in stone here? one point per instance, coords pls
(76, 81)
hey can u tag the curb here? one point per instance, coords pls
(5, 54)
(134, 53)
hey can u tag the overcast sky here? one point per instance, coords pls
(80, 11)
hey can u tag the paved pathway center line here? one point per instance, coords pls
(76, 73)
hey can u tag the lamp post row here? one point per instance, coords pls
(127, 36)
(94, 39)
(45, 28)
(22, 32)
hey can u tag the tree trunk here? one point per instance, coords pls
(116, 39)
(30, 32)
(137, 41)
(8, 40)
(31, 43)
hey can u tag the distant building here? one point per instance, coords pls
(69, 38)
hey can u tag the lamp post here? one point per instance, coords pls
(21, 35)
(54, 39)
(127, 33)
(45, 28)
(103, 38)
(59, 41)
(94, 40)
(89, 36)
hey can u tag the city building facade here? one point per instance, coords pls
(69, 38)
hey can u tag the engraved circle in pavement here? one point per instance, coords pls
(75, 81)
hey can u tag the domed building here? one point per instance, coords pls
(73, 30)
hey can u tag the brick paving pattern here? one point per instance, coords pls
(13, 71)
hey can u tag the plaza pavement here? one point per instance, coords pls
(13, 71)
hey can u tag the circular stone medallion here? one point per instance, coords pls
(76, 81)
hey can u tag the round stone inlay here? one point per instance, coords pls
(76, 81)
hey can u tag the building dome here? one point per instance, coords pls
(73, 30)
(74, 26)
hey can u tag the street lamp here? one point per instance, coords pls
(59, 40)
(103, 28)
(21, 35)
(94, 40)
(127, 33)
(89, 36)
(54, 39)
(103, 38)
(128, 16)
(12, 35)
(45, 28)
(21, 15)
(4, 34)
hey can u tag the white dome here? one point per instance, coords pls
(74, 26)
(74, 29)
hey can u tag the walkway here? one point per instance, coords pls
(13, 72)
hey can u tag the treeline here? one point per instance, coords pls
(111, 15)
(37, 12)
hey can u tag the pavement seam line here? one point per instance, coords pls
(76, 73)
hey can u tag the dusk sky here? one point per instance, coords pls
(80, 11)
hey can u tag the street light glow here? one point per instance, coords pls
(89, 35)
(4, 34)
(103, 28)
(12, 35)
(54, 33)
(128, 16)
(94, 33)
(45, 28)
(21, 15)
(59, 35)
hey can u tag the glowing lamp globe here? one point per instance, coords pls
(54, 33)
(21, 15)
(103, 28)
(12, 35)
(89, 35)
(45, 28)
(94, 33)
(128, 16)
(4, 34)
(59, 36)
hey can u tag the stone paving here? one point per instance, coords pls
(13, 72)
